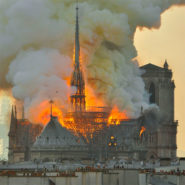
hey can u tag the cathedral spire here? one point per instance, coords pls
(77, 80)
(12, 114)
(15, 112)
(13, 123)
(77, 42)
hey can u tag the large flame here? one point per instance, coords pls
(89, 122)
(45, 113)
(143, 129)
(116, 116)
(91, 98)
(82, 127)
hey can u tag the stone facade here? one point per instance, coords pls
(22, 135)
(159, 84)
(125, 143)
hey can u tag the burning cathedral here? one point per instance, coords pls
(93, 133)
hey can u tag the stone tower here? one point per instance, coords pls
(12, 134)
(77, 80)
(22, 135)
(159, 84)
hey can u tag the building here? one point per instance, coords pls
(56, 143)
(153, 144)
(57, 174)
(22, 135)
(159, 84)
(90, 137)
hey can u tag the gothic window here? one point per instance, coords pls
(152, 93)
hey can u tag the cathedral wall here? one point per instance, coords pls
(166, 99)
(164, 95)
(160, 79)
(161, 143)
(58, 155)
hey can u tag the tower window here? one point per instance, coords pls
(152, 93)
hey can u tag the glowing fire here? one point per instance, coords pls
(91, 98)
(143, 129)
(85, 123)
(116, 116)
(44, 115)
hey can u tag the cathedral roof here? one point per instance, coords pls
(156, 71)
(54, 135)
(152, 67)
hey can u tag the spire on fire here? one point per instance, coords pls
(77, 80)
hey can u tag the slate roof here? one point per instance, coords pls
(54, 135)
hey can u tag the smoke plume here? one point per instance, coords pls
(37, 42)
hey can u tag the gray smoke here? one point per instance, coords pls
(37, 41)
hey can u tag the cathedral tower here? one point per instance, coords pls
(159, 84)
(77, 80)
(12, 134)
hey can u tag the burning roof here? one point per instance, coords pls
(54, 135)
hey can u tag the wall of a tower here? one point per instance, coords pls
(164, 89)
(12, 135)
(21, 139)
(158, 82)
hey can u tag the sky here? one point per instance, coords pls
(153, 46)
(168, 42)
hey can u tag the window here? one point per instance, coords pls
(152, 93)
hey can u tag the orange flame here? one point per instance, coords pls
(91, 98)
(82, 125)
(143, 129)
(44, 115)
(116, 116)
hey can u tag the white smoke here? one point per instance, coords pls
(39, 76)
(37, 40)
